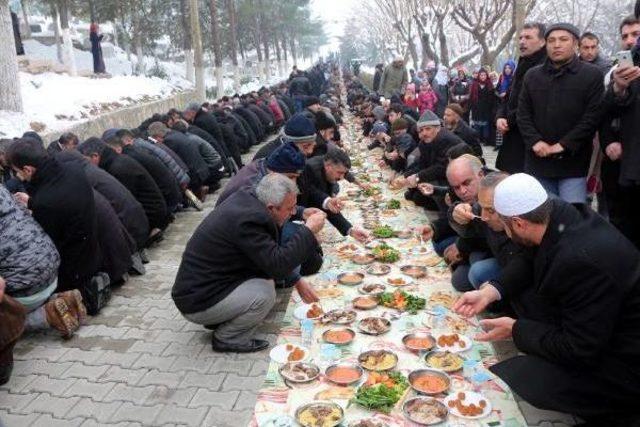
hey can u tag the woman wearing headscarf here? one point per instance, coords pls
(502, 89)
(483, 103)
(504, 82)
(96, 49)
(427, 98)
(459, 90)
(440, 85)
(410, 99)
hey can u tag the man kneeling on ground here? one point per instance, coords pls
(226, 277)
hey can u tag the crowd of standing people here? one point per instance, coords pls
(526, 241)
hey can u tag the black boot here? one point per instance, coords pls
(5, 373)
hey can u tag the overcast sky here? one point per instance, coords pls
(334, 14)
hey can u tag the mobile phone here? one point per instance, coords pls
(624, 58)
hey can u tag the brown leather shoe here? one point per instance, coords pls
(202, 194)
(59, 317)
(73, 298)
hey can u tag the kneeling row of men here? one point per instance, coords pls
(82, 215)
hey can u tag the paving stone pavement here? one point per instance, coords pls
(139, 363)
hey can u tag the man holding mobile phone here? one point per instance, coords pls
(622, 146)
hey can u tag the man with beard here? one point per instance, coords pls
(578, 323)
(532, 52)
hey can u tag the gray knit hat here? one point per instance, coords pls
(570, 28)
(429, 118)
(379, 112)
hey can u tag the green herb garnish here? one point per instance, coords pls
(393, 204)
(386, 253)
(383, 232)
(402, 301)
(382, 396)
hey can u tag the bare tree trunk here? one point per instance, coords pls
(217, 49)
(520, 15)
(10, 94)
(276, 45)
(196, 38)
(284, 50)
(186, 46)
(56, 31)
(92, 11)
(265, 42)
(233, 43)
(26, 11)
(68, 54)
(292, 47)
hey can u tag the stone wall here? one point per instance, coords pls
(129, 117)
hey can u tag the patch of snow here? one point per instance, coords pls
(55, 102)
(58, 101)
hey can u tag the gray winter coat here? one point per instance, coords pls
(28, 258)
(166, 159)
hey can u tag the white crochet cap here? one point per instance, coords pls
(518, 194)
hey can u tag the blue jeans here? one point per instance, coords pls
(571, 190)
(479, 270)
(482, 271)
(443, 244)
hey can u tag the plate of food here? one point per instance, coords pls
(319, 414)
(365, 302)
(344, 374)
(402, 301)
(455, 343)
(363, 259)
(285, 353)
(418, 342)
(348, 249)
(415, 271)
(368, 422)
(383, 232)
(386, 253)
(429, 381)
(372, 244)
(381, 391)
(374, 325)
(338, 336)
(299, 372)
(350, 278)
(308, 311)
(378, 360)
(378, 269)
(432, 261)
(398, 281)
(404, 234)
(443, 298)
(370, 224)
(339, 317)
(444, 361)
(468, 404)
(425, 411)
(353, 193)
(372, 289)
(329, 292)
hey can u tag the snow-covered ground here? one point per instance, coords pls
(54, 102)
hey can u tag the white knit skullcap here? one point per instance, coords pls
(518, 194)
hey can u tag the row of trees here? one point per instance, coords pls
(205, 34)
(454, 32)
